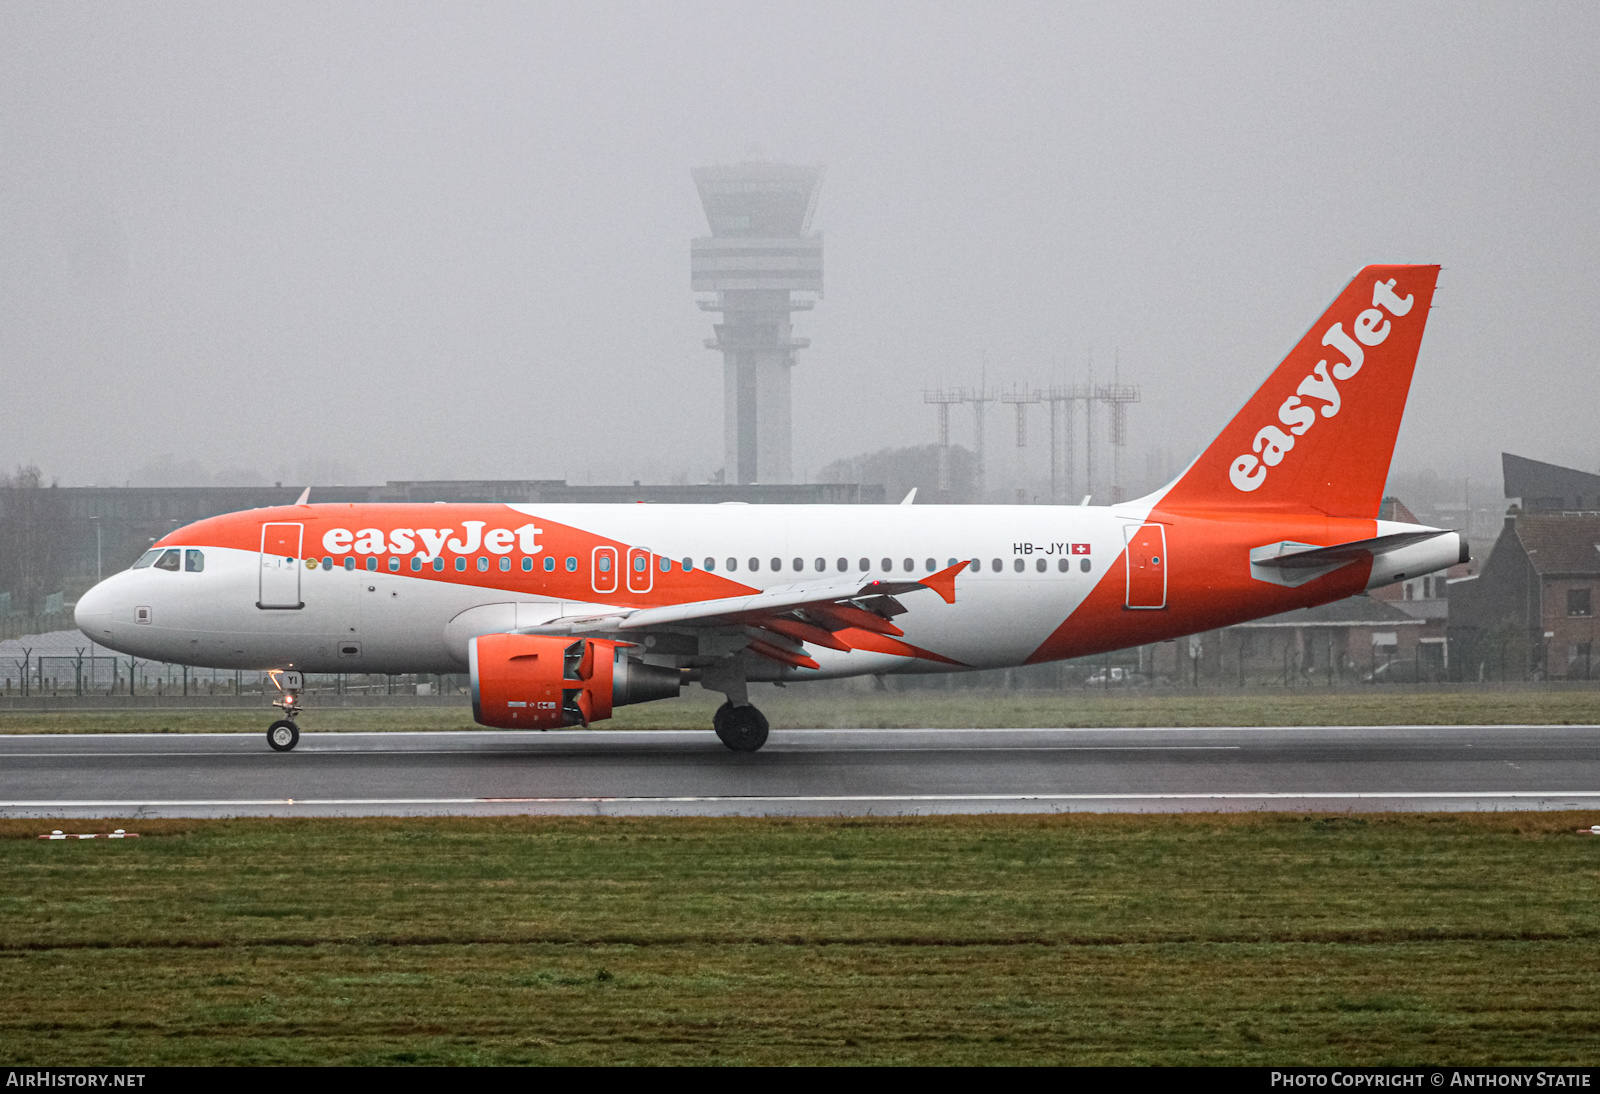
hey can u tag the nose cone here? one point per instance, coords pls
(94, 611)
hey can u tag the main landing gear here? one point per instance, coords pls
(743, 729)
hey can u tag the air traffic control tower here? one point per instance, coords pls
(761, 251)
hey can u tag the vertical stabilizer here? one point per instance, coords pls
(1319, 434)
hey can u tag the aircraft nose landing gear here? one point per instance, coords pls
(283, 734)
(743, 729)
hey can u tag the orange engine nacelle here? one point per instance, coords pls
(532, 681)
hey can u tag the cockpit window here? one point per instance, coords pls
(146, 559)
(194, 561)
(168, 560)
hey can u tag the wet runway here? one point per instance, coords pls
(806, 772)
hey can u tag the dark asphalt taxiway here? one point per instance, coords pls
(812, 772)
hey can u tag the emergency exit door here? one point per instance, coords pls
(603, 575)
(641, 578)
(1146, 559)
(280, 566)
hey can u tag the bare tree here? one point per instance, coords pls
(33, 521)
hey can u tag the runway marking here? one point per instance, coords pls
(569, 748)
(756, 798)
(639, 736)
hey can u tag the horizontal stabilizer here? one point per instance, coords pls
(1305, 556)
(1293, 564)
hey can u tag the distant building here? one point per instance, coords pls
(1530, 614)
(1549, 488)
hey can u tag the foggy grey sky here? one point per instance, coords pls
(426, 240)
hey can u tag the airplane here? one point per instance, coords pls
(558, 614)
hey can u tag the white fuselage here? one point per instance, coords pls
(358, 620)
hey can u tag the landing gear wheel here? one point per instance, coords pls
(743, 729)
(283, 735)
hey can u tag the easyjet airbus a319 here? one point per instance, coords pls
(559, 613)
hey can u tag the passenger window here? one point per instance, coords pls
(1063, 565)
(907, 565)
(995, 565)
(1084, 565)
(888, 565)
(666, 564)
(394, 564)
(777, 564)
(932, 565)
(733, 564)
(974, 566)
(572, 564)
(168, 561)
(799, 564)
(349, 562)
(866, 564)
(755, 565)
(505, 564)
(146, 559)
(1039, 564)
(483, 563)
(327, 562)
(372, 564)
(710, 566)
(844, 564)
(952, 562)
(820, 565)
(1017, 564)
(438, 565)
(194, 561)
(416, 564)
(688, 565)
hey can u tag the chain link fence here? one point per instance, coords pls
(95, 673)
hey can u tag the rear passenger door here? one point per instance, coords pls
(1146, 560)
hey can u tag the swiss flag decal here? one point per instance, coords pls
(1080, 548)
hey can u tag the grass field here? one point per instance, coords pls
(1461, 938)
(793, 708)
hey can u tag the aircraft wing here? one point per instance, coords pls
(839, 614)
(784, 598)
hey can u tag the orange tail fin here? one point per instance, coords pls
(1319, 434)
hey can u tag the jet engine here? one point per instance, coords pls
(532, 681)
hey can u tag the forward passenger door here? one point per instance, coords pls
(280, 566)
